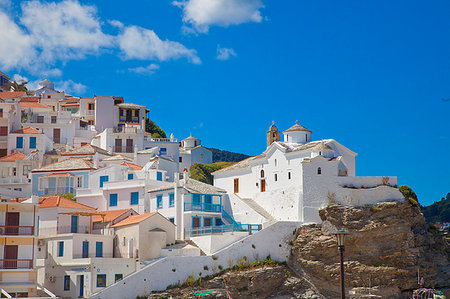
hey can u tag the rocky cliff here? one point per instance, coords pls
(388, 244)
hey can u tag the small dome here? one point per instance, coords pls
(296, 128)
(191, 138)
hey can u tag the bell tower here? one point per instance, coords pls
(273, 134)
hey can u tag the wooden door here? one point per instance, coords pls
(129, 146)
(263, 185)
(236, 185)
(12, 223)
(195, 222)
(10, 256)
(56, 135)
(118, 145)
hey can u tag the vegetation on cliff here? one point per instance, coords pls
(154, 129)
(226, 156)
(439, 211)
(202, 172)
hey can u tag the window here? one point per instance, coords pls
(26, 169)
(163, 151)
(40, 119)
(60, 249)
(180, 159)
(113, 200)
(85, 250)
(79, 181)
(4, 131)
(171, 219)
(130, 176)
(49, 97)
(101, 280)
(219, 222)
(118, 277)
(276, 177)
(159, 176)
(32, 142)
(103, 179)
(159, 201)
(14, 171)
(306, 136)
(136, 113)
(262, 173)
(134, 198)
(236, 185)
(319, 170)
(289, 175)
(19, 142)
(91, 106)
(67, 283)
(207, 221)
(171, 200)
(120, 112)
(98, 249)
(1, 112)
(275, 162)
(53, 119)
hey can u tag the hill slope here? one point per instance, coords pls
(226, 156)
(439, 211)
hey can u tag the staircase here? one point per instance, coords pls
(258, 209)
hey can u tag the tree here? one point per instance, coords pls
(70, 196)
(202, 172)
(154, 129)
(18, 86)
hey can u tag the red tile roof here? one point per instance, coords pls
(33, 105)
(59, 201)
(109, 215)
(13, 157)
(135, 167)
(27, 130)
(70, 104)
(29, 99)
(11, 94)
(58, 174)
(133, 219)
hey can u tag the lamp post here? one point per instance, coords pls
(340, 237)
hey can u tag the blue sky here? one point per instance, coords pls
(374, 75)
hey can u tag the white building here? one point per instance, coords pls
(292, 180)
(9, 117)
(191, 152)
(29, 140)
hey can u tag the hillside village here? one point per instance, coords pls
(92, 206)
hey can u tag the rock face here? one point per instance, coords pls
(260, 282)
(388, 244)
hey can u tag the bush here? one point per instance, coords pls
(202, 172)
(409, 194)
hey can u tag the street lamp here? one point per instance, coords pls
(340, 237)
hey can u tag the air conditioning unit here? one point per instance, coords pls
(41, 242)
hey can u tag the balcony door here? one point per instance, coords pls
(129, 119)
(85, 253)
(74, 224)
(12, 223)
(118, 145)
(263, 185)
(10, 255)
(56, 135)
(129, 146)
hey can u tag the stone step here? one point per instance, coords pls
(258, 209)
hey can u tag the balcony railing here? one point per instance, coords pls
(203, 207)
(58, 190)
(209, 230)
(129, 119)
(123, 149)
(91, 255)
(81, 229)
(16, 264)
(12, 180)
(90, 112)
(128, 130)
(8, 230)
(3, 138)
(149, 138)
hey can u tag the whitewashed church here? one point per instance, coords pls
(294, 178)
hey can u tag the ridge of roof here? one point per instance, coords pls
(134, 219)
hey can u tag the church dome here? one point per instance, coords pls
(190, 142)
(297, 128)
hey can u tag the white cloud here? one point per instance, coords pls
(50, 33)
(140, 43)
(225, 53)
(147, 70)
(19, 79)
(204, 13)
(70, 87)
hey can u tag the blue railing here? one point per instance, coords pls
(202, 207)
(200, 231)
(229, 218)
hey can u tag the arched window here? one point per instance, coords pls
(319, 170)
(306, 136)
(262, 173)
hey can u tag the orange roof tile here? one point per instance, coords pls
(27, 130)
(58, 174)
(11, 94)
(13, 157)
(133, 124)
(135, 167)
(33, 105)
(70, 104)
(59, 201)
(133, 219)
(29, 99)
(109, 215)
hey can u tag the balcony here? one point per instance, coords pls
(16, 230)
(149, 138)
(202, 207)
(128, 130)
(123, 149)
(16, 264)
(14, 180)
(90, 112)
(58, 190)
(91, 255)
(129, 119)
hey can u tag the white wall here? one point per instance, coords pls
(273, 240)
(213, 243)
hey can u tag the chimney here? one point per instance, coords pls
(95, 158)
(35, 199)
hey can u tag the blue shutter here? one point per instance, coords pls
(32, 142)
(134, 198)
(113, 200)
(159, 201)
(74, 224)
(60, 248)
(85, 249)
(171, 200)
(19, 142)
(103, 179)
(159, 176)
(130, 176)
(99, 249)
